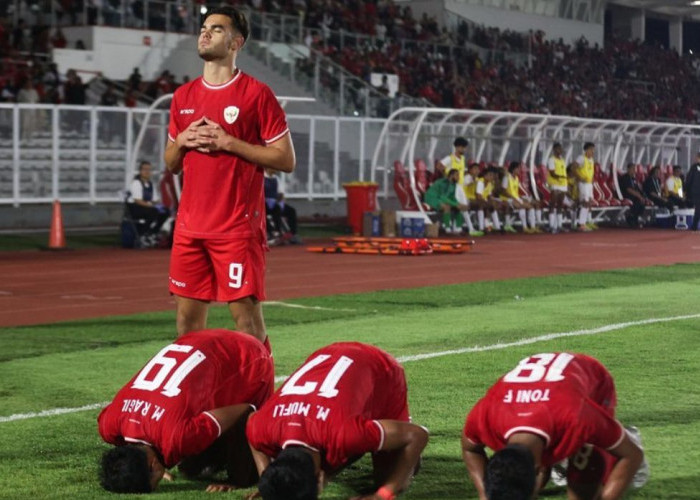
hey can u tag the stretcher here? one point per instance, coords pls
(394, 246)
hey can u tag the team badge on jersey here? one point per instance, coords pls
(231, 114)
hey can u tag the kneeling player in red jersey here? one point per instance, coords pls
(187, 406)
(347, 399)
(551, 407)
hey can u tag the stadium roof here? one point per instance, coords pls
(667, 7)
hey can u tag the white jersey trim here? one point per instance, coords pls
(531, 430)
(218, 425)
(623, 433)
(171, 138)
(383, 434)
(277, 137)
(223, 85)
(134, 440)
(297, 443)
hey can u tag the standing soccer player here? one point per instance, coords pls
(225, 127)
(551, 407)
(347, 399)
(188, 405)
(584, 170)
(557, 182)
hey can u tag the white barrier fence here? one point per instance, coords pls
(85, 154)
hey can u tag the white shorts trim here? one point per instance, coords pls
(530, 430)
(585, 191)
(557, 187)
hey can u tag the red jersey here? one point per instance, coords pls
(166, 404)
(222, 193)
(567, 399)
(332, 403)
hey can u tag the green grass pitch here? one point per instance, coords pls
(656, 367)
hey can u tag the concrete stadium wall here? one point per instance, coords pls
(114, 52)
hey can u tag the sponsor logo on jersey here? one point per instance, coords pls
(179, 284)
(187, 111)
(231, 114)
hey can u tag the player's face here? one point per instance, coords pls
(557, 150)
(590, 151)
(217, 38)
(460, 150)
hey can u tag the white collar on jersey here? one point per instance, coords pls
(223, 85)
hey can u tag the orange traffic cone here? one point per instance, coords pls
(57, 238)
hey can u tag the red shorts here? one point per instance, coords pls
(222, 270)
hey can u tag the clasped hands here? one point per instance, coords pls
(203, 135)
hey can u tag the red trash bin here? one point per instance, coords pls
(362, 197)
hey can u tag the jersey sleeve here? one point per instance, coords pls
(480, 186)
(191, 438)
(600, 429)
(580, 161)
(504, 182)
(256, 435)
(356, 437)
(273, 122)
(447, 161)
(472, 428)
(108, 427)
(173, 126)
(551, 165)
(670, 184)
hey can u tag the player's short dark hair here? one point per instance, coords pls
(238, 19)
(291, 476)
(510, 474)
(460, 142)
(124, 469)
(588, 145)
(513, 165)
(556, 145)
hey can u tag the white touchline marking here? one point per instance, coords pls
(300, 306)
(52, 412)
(541, 338)
(407, 359)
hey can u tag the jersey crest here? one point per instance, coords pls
(231, 114)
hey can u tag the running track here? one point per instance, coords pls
(45, 287)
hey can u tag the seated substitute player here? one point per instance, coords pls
(441, 196)
(191, 401)
(551, 407)
(485, 201)
(510, 194)
(347, 399)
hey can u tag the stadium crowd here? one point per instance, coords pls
(624, 79)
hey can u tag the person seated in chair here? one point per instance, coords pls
(654, 189)
(278, 208)
(143, 202)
